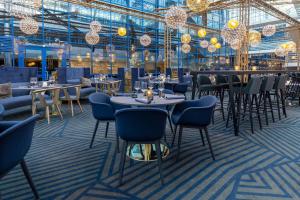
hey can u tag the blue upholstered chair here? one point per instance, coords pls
(181, 88)
(15, 141)
(194, 114)
(1, 111)
(141, 126)
(103, 110)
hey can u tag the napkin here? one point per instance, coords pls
(172, 96)
(142, 100)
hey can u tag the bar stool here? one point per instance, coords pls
(222, 86)
(266, 87)
(204, 85)
(250, 93)
(279, 92)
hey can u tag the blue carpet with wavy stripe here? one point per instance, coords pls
(265, 165)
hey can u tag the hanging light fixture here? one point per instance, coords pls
(218, 45)
(213, 40)
(60, 53)
(230, 35)
(186, 38)
(269, 30)
(201, 32)
(291, 46)
(92, 38)
(175, 17)
(204, 44)
(122, 31)
(29, 26)
(280, 52)
(236, 44)
(254, 38)
(233, 24)
(211, 48)
(197, 5)
(145, 40)
(95, 26)
(185, 48)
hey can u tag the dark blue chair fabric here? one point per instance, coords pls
(15, 102)
(101, 107)
(1, 111)
(194, 112)
(181, 88)
(141, 124)
(15, 141)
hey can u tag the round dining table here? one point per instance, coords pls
(146, 152)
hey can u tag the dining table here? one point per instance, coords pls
(230, 74)
(146, 152)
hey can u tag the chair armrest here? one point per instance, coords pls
(198, 116)
(6, 124)
(102, 110)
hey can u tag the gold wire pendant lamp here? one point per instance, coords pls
(204, 44)
(29, 26)
(269, 30)
(175, 17)
(95, 26)
(230, 35)
(211, 48)
(254, 38)
(92, 38)
(145, 40)
(197, 5)
(122, 31)
(201, 33)
(186, 38)
(185, 48)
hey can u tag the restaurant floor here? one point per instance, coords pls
(264, 165)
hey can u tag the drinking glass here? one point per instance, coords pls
(161, 88)
(151, 85)
(144, 86)
(33, 81)
(137, 86)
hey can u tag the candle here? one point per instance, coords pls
(149, 94)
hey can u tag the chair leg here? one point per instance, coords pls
(59, 112)
(29, 179)
(222, 103)
(48, 114)
(94, 134)
(250, 113)
(228, 116)
(173, 140)
(118, 144)
(72, 109)
(170, 122)
(122, 161)
(265, 108)
(209, 144)
(106, 129)
(278, 106)
(179, 141)
(257, 111)
(202, 138)
(283, 103)
(271, 106)
(159, 161)
(33, 108)
(78, 102)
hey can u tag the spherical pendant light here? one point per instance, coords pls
(233, 24)
(197, 5)
(291, 46)
(211, 48)
(213, 40)
(236, 44)
(204, 44)
(92, 38)
(29, 26)
(218, 45)
(95, 26)
(231, 35)
(254, 38)
(60, 53)
(122, 31)
(145, 40)
(185, 48)
(175, 17)
(280, 52)
(186, 38)
(269, 30)
(201, 32)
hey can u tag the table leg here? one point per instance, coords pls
(231, 100)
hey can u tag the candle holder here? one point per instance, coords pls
(149, 94)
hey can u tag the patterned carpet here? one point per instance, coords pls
(265, 165)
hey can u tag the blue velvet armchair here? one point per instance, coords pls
(194, 114)
(181, 88)
(15, 141)
(141, 126)
(103, 110)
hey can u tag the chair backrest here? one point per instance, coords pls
(141, 124)
(15, 142)
(220, 79)
(101, 106)
(280, 82)
(267, 83)
(1, 111)
(200, 111)
(203, 80)
(236, 79)
(68, 89)
(39, 96)
(253, 86)
(181, 88)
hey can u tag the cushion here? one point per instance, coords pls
(5, 90)
(85, 92)
(85, 82)
(15, 102)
